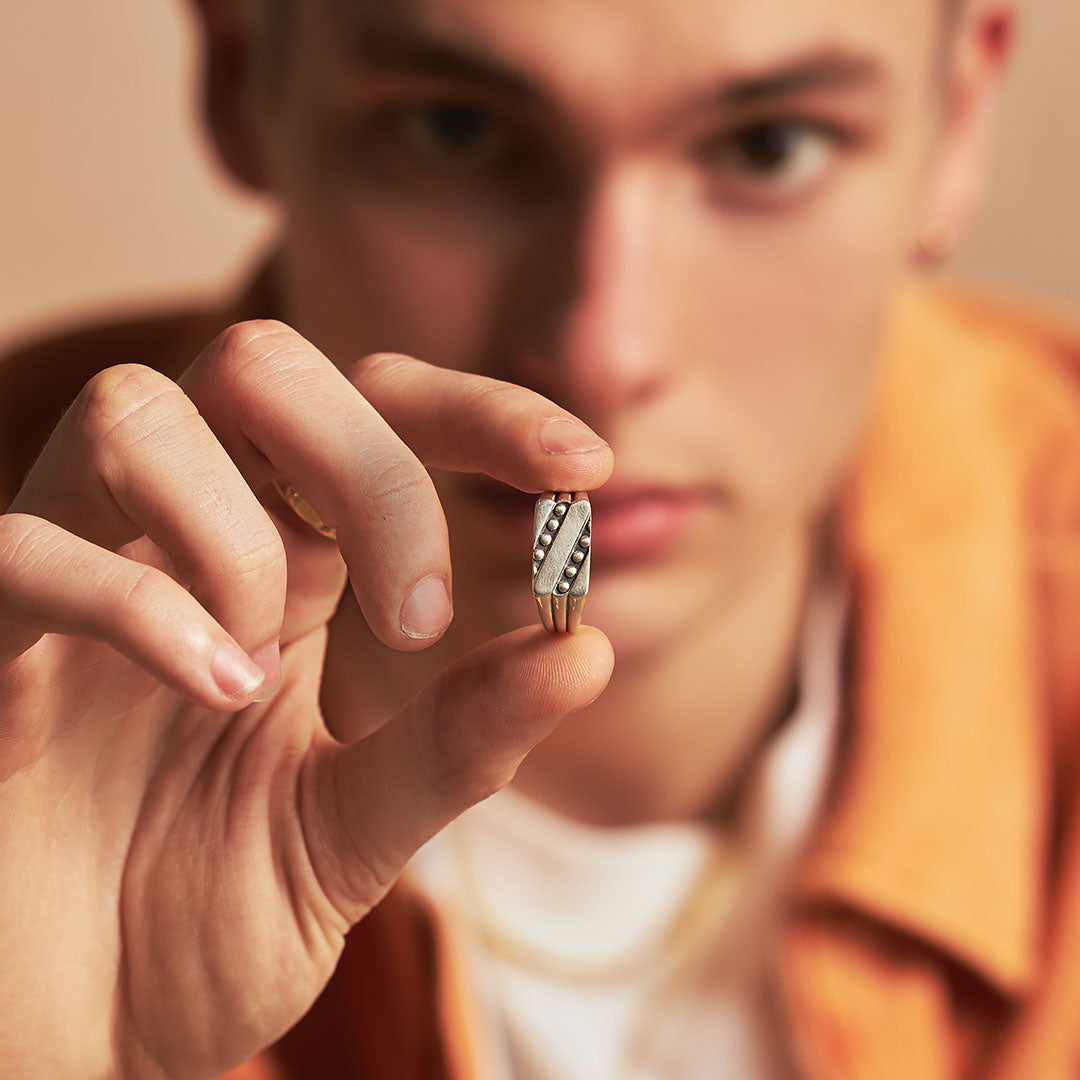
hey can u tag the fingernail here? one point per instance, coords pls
(268, 660)
(428, 610)
(562, 436)
(236, 675)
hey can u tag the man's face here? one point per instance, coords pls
(680, 221)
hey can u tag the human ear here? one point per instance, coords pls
(980, 47)
(229, 41)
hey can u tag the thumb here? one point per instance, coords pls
(458, 741)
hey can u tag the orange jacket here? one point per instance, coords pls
(934, 930)
(934, 927)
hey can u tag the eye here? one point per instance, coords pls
(451, 136)
(770, 163)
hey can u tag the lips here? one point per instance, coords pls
(631, 521)
(637, 523)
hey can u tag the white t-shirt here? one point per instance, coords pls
(589, 947)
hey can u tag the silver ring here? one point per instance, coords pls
(562, 550)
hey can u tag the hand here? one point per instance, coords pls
(179, 860)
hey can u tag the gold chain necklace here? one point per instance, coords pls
(677, 958)
(703, 909)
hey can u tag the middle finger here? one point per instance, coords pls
(281, 408)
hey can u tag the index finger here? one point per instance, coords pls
(471, 423)
(280, 408)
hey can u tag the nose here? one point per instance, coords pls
(606, 351)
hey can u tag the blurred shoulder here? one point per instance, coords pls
(995, 371)
(1029, 359)
(39, 379)
(1023, 344)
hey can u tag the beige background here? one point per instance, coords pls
(108, 195)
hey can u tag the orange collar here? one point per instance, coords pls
(938, 818)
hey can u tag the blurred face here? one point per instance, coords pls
(679, 220)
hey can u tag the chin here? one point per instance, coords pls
(648, 612)
(642, 610)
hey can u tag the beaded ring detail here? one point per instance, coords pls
(562, 549)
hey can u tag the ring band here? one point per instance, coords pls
(302, 508)
(562, 550)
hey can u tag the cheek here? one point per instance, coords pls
(796, 320)
(361, 280)
(361, 271)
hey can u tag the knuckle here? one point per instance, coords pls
(141, 592)
(128, 398)
(245, 350)
(259, 556)
(115, 392)
(370, 868)
(22, 539)
(438, 760)
(396, 483)
(377, 368)
(355, 870)
(254, 335)
(496, 398)
(495, 394)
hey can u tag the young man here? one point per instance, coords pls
(832, 775)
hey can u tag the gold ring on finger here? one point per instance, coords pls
(303, 509)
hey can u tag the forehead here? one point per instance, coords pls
(642, 47)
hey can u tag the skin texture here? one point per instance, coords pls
(180, 865)
(180, 860)
(613, 252)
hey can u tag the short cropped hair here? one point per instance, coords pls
(277, 14)
(277, 21)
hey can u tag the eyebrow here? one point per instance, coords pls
(383, 45)
(826, 69)
(391, 45)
